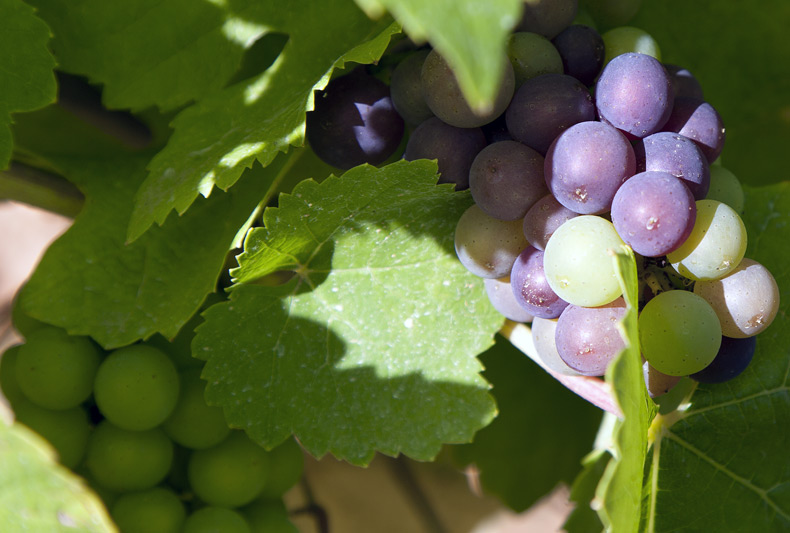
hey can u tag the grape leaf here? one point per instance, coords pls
(541, 434)
(620, 489)
(215, 140)
(722, 464)
(26, 78)
(37, 494)
(745, 78)
(583, 519)
(472, 40)
(371, 346)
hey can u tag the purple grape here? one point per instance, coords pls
(501, 296)
(587, 337)
(680, 156)
(586, 165)
(486, 246)
(545, 106)
(547, 17)
(684, 84)
(543, 219)
(354, 122)
(506, 179)
(699, 121)
(406, 89)
(634, 94)
(582, 52)
(531, 288)
(453, 148)
(654, 213)
(733, 358)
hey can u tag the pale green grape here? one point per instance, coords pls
(8, 383)
(286, 464)
(543, 330)
(531, 55)
(136, 387)
(194, 423)
(157, 510)
(716, 245)
(128, 460)
(56, 370)
(626, 39)
(268, 516)
(66, 430)
(679, 333)
(230, 474)
(578, 261)
(487, 246)
(216, 520)
(725, 187)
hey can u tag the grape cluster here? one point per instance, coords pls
(591, 144)
(135, 424)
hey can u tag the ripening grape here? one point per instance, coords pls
(500, 294)
(406, 89)
(587, 338)
(725, 188)
(157, 510)
(684, 84)
(216, 520)
(657, 383)
(486, 246)
(530, 287)
(531, 55)
(700, 122)
(669, 152)
(543, 219)
(543, 335)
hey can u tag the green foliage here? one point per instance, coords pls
(358, 352)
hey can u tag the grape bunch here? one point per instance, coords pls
(134, 423)
(592, 144)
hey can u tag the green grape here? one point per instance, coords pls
(56, 370)
(725, 187)
(157, 510)
(679, 333)
(716, 245)
(25, 324)
(194, 423)
(578, 263)
(286, 465)
(136, 387)
(8, 383)
(626, 39)
(216, 520)
(230, 474)
(268, 516)
(531, 55)
(66, 430)
(128, 460)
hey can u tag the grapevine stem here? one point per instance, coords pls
(594, 390)
(39, 188)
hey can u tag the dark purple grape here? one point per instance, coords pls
(506, 179)
(700, 122)
(586, 165)
(684, 84)
(354, 122)
(547, 17)
(496, 130)
(443, 94)
(582, 52)
(531, 288)
(543, 219)
(453, 148)
(680, 156)
(406, 89)
(500, 294)
(733, 358)
(587, 337)
(654, 213)
(545, 106)
(634, 94)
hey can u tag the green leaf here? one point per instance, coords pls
(26, 78)
(472, 40)
(620, 489)
(215, 140)
(722, 464)
(541, 434)
(152, 52)
(362, 350)
(37, 494)
(583, 519)
(744, 78)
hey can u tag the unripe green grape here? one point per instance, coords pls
(8, 382)
(128, 460)
(625, 39)
(194, 423)
(725, 187)
(216, 520)
(25, 324)
(156, 510)
(531, 55)
(286, 463)
(230, 474)
(679, 333)
(56, 370)
(136, 387)
(268, 516)
(67, 430)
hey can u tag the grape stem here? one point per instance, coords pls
(594, 390)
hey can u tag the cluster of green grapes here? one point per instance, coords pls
(134, 422)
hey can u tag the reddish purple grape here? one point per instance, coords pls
(586, 165)
(587, 337)
(654, 213)
(680, 156)
(531, 288)
(543, 219)
(582, 51)
(733, 358)
(700, 122)
(684, 84)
